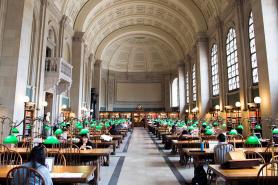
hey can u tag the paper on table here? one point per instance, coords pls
(72, 175)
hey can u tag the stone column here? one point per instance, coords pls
(77, 72)
(221, 66)
(242, 48)
(181, 88)
(41, 50)
(97, 84)
(202, 76)
(167, 97)
(14, 59)
(266, 29)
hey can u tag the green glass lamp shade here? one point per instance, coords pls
(63, 124)
(215, 124)
(46, 127)
(209, 132)
(180, 125)
(240, 127)
(86, 122)
(208, 127)
(10, 139)
(107, 125)
(93, 125)
(15, 130)
(194, 125)
(275, 131)
(58, 131)
(98, 127)
(28, 126)
(258, 127)
(51, 140)
(84, 131)
(233, 132)
(190, 128)
(224, 125)
(204, 124)
(252, 140)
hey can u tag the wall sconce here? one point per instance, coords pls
(44, 103)
(238, 104)
(257, 100)
(217, 107)
(26, 99)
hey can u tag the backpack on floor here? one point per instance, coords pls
(200, 176)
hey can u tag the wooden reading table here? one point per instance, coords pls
(60, 174)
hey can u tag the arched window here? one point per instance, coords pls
(253, 55)
(194, 88)
(214, 70)
(187, 86)
(175, 93)
(232, 60)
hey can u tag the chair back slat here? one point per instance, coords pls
(23, 175)
(268, 174)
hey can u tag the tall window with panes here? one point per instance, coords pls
(253, 55)
(232, 60)
(214, 70)
(187, 86)
(194, 87)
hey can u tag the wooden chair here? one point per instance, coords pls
(72, 155)
(14, 158)
(275, 158)
(23, 175)
(3, 148)
(268, 174)
(59, 158)
(254, 155)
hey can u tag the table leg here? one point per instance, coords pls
(97, 171)
(106, 163)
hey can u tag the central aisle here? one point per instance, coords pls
(144, 164)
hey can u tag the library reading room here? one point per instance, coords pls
(138, 92)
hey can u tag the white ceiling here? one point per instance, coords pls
(111, 28)
(139, 53)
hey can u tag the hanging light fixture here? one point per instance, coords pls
(15, 130)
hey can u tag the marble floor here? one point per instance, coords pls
(141, 160)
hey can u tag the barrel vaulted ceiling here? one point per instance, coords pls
(140, 35)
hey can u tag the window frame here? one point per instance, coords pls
(194, 83)
(232, 60)
(214, 69)
(252, 53)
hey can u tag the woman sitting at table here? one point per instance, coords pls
(113, 130)
(84, 143)
(37, 162)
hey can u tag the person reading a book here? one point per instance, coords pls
(84, 143)
(37, 162)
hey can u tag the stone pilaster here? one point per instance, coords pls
(202, 76)
(16, 39)
(181, 77)
(266, 29)
(77, 73)
(97, 84)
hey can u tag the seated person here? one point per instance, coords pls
(37, 162)
(84, 143)
(173, 130)
(113, 130)
(221, 149)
